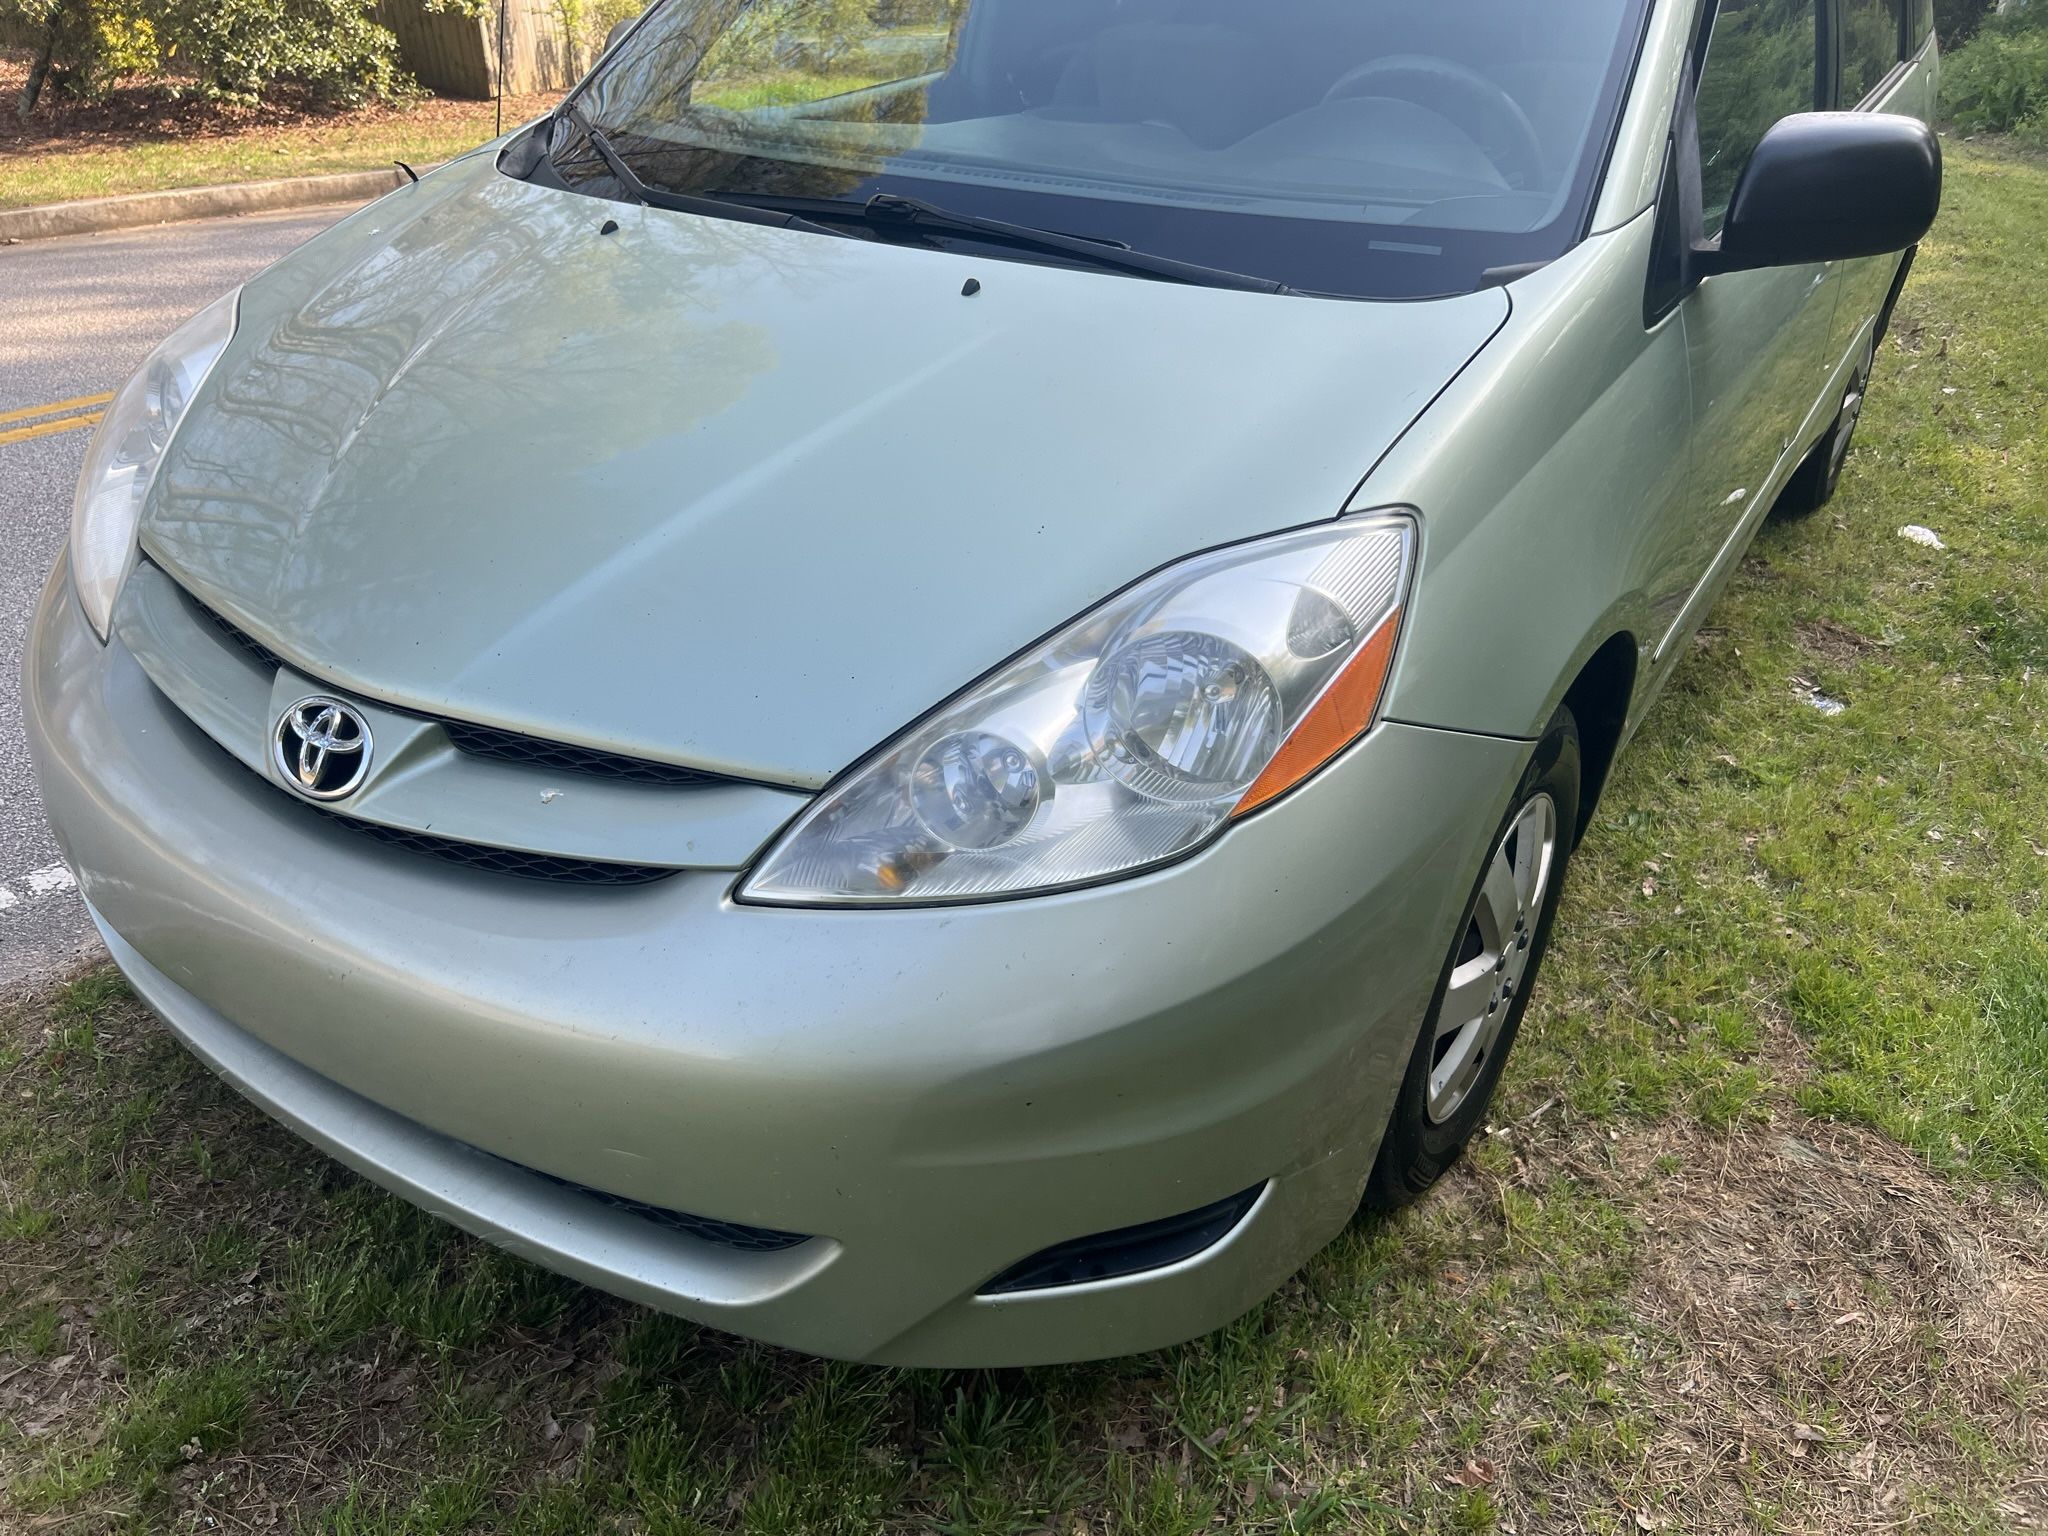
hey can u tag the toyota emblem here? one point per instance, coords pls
(322, 748)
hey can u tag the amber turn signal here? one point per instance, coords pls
(1333, 722)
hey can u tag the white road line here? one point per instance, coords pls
(51, 877)
(47, 881)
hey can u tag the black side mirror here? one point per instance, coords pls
(619, 30)
(1831, 186)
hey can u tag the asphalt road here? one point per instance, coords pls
(76, 317)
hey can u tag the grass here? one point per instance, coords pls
(188, 147)
(314, 149)
(140, 138)
(786, 88)
(1759, 1239)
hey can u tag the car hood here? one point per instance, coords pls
(735, 496)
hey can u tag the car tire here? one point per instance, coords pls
(1487, 977)
(1813, 483)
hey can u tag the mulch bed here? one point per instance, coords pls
(145, 112)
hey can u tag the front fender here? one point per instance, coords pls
(1546, 475)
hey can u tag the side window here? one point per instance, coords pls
(1872, 32)
(1919, 25)
(1763, 63)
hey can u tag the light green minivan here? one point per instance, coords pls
(919, 679)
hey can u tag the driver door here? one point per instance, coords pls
(1756, 342)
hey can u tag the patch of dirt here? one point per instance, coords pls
(1833, 642)
(144, 112)
(1840, 1321)
(1909, 335)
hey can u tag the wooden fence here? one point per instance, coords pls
(456, 55)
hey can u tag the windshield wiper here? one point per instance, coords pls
(683, 202)
(889, 211)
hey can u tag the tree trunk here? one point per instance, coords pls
(38, 72)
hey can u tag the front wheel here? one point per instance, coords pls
(1484, 987)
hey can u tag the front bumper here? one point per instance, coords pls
(932, 1094)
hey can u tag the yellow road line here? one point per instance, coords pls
(46, 428)
(54, 407)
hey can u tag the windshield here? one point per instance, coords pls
(1366, 148)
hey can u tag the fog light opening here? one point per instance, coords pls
(1126, 1250)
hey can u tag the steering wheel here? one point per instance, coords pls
(1493, 118)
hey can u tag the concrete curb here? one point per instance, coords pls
(94, 215)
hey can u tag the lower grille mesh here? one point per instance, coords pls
(726, 1234)
(504, 861)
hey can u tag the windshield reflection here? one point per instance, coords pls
(1343, 146)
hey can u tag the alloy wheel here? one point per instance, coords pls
(1493, 955)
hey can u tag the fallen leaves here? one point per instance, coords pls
(1476, 1473)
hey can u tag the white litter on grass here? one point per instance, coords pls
(49, 879)
(1826, 704)
(1921, 535)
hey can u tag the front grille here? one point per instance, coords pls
(505, 746)
(250, 645)
(726, 1234)
(484, 741)
(502, 861)
(561, 757)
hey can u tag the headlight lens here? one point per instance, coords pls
(1125, 740)
(126, 448)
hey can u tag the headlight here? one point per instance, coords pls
(126, 449)
(1128, 738)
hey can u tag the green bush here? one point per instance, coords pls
(81, 46)
(240, 49)
(1998, 81)
(1956, 20)
(230, 50)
